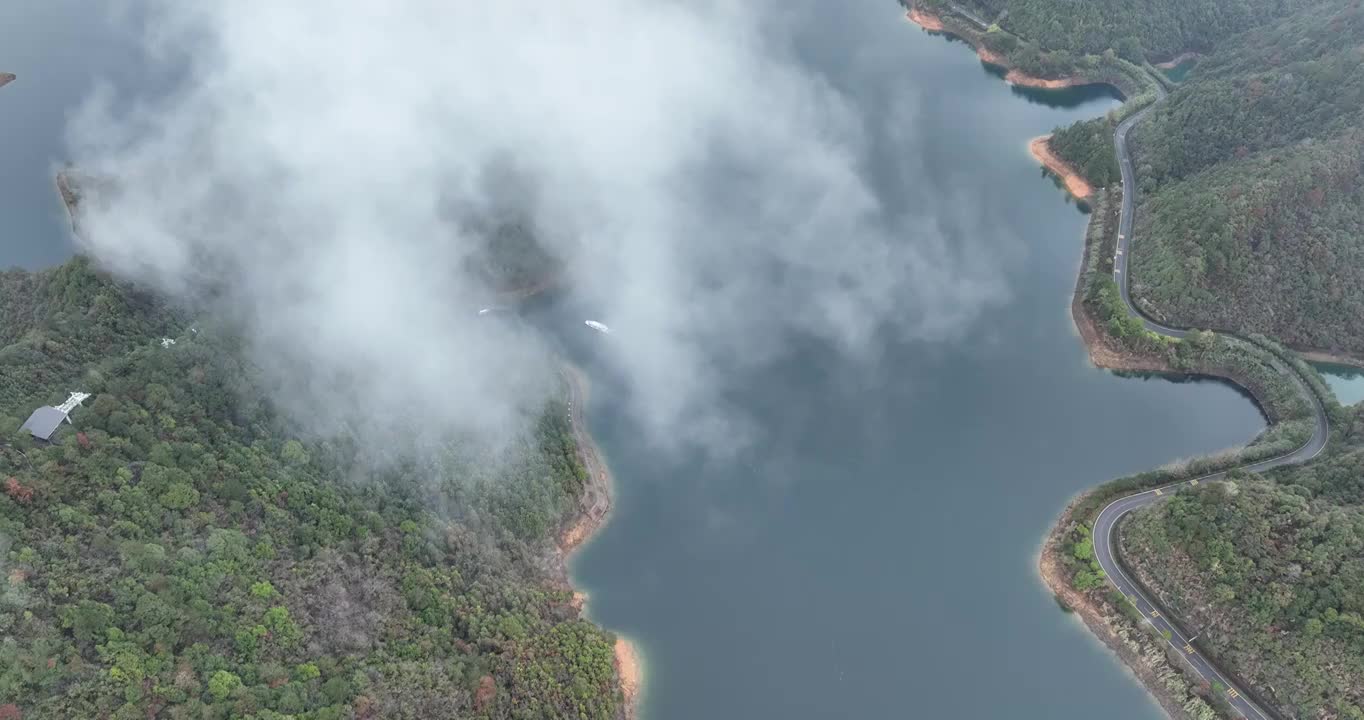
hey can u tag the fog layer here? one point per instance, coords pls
(311, 178)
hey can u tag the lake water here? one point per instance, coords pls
(875, 556)
(1345, 381)
(1180, 70)
(60, 50)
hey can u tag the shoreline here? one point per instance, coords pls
(1143, 658)
(1076, 185)
(594, 507)
(1322, 356)
(1140, 656)
(1175, 61)
(934, 24)
(1162, 677)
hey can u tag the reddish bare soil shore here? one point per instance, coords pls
(631, 675)
(1143, 657)
(1174, 62)
(934, 23)
(1077, 185)
(593, 509)
(1018, 77)
(6, 78)
(925, 20)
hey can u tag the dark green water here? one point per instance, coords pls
(1181, 71)
(61, 51)
(874, 557)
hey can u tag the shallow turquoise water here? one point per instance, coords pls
(1345, 381)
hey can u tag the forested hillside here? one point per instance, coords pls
(1252, 186)
(1088, 145)
(1152, 30)
(176, 554)
(1270, 571)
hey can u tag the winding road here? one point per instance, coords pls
(1109, 517)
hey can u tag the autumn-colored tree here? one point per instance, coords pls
(18, 492)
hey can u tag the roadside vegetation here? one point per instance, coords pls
(178, 554)
(1255, 362)
(1270, 571)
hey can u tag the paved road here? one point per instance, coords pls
(974, 18)
(1109, 517)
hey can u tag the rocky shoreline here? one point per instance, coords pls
(594, 507)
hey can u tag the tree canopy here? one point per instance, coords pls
(179, 553)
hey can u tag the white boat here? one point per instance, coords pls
(485, 311)
(597, 326)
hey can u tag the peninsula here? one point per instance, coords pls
(6, 78)
(353, 599)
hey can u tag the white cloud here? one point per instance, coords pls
(709, 190)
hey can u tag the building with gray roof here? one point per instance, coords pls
(45, 420)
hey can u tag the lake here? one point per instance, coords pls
(874, 555)
(1181, 69)
(1347, 382)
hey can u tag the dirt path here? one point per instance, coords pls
(1040, 147)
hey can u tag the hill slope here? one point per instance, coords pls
(176, 554)
(1252, 182)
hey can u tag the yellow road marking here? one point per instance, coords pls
(1233, 694)
(1193, 482)
(1189, 649)
(1159, 492)
(1155, 613)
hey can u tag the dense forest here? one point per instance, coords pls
(1250, 218)
(1088, 146)
(1270, 571)
(1151, 30)
(176, 553)
(1252, 187)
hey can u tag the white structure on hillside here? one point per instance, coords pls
(45, 420)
